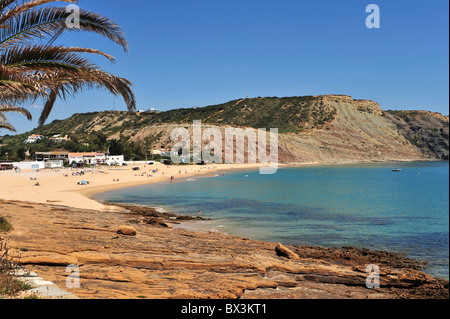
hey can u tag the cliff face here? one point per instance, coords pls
(326, 129)
(427, 130)
(354, 130)
(359, 131)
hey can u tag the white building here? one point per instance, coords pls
(59, 138)
(33, 138)
(151, 110)
(29, 165)
(54, 164)
(37, 165)
(88, 158)
(115, 160)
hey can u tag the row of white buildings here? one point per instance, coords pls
(80, 158)
(57, 159)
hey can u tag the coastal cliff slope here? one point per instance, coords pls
(325, 129)
(358, 132)
(429, 131)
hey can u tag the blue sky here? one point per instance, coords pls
(202, 52)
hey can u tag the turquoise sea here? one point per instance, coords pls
(363, 205)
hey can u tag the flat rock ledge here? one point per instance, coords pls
(161, 262)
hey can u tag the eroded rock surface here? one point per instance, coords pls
(162, 262)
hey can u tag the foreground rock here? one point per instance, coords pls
(285, 252)
(162, 262)
(126, 230)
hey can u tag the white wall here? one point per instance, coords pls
(54, 164)
(29, 165)
(113, 159)
(76, 159)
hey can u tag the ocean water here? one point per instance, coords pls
(364, 205)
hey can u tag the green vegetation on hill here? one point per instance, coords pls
(91, 131)
(289, 114)
(95, 142)
(135, 134)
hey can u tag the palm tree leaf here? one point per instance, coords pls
(31, 72)
(26, 6)
(4, 4)
(48, 107)
(87, 79)
(16, 109)
(14, 55)
(8, 127)
(48, 21)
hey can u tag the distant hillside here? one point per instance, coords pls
(329, 128)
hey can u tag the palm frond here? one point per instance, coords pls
(16, 90)
(61, 87)
(29, 72)
(4, 124)
(48, 107)
(4, 5)
(15, 55)
(8, 127)
(48, 21)
(16, 109)
(18, 8)
(28, 60)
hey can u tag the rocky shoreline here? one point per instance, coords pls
(158, 261)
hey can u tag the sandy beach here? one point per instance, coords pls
(61, 187)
